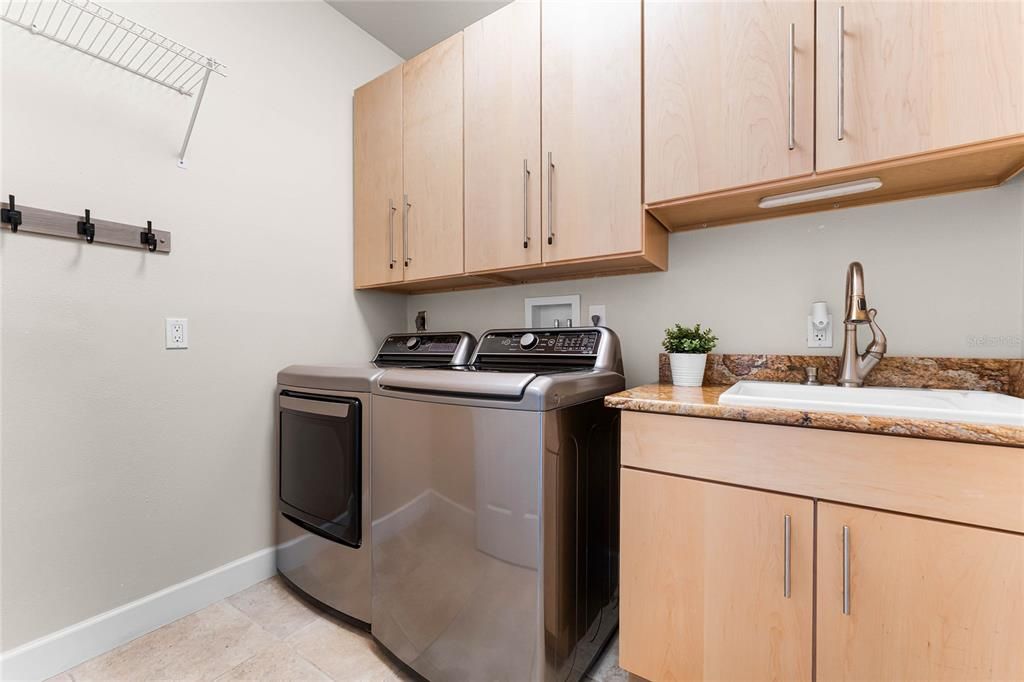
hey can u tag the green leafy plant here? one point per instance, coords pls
(680, 339)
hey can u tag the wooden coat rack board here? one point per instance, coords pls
(83, 228)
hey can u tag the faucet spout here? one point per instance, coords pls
(856, 366)
(856, 303)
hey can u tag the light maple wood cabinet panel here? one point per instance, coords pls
(717, 105)
(917, 75)
(432, 125)
(928, 600)
(591, 104)
(703, 581)
(377, 168)
(502, 138)
(964, 482)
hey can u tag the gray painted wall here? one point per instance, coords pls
(128, 468)
(946, 274)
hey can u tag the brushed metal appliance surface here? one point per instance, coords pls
(495, 517)
(330, 572)
(338, 575)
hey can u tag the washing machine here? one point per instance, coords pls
(495, 508)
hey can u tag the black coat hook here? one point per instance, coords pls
(147, 237)
(86, 228)
(11, 215)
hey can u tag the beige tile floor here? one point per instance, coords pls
(263, 633)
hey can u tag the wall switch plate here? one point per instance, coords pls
(602, 316)
(176, 332)
(819, 338)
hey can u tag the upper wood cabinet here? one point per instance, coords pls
(432, 129)
(927, 600)
(915, 76)
(377, 192)
(926, 96)
(485, 199)
(591, 104)
(729, 95)
(716, 582)
(502, 138)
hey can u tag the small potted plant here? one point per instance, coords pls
(688, 349)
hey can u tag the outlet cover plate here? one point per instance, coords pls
(175, 333)
(819, 338)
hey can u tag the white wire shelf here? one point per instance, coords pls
(92, 29)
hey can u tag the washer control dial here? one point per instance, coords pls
(412, 343)
(528, 341)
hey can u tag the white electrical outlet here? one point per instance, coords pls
(598, 310)
(176, 332)
(819, 337)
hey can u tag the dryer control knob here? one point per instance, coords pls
(412, 343)
(528, 341)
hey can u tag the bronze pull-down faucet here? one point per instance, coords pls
(855, 367)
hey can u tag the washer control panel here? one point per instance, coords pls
(541, 342)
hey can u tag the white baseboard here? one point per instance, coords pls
(56, 652)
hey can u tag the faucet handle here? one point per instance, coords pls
(878, 341)
(812, 376)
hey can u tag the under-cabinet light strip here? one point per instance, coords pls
(818, 193)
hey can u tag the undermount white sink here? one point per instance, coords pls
(976, 407)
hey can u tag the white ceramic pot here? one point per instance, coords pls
(687, 368)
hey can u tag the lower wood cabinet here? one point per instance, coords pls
(718, 583)
(916, 599)
(706, 593)
(878, 590)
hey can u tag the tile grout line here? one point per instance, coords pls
(291, 644)
(251, 621)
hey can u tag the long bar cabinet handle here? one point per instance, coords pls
(391, 234)
(841, 73)
(551, 200)
(846, 570)
(787, 581)
(526, 204)
(405, 229)
(792, 87)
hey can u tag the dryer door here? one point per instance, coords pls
(320, 463)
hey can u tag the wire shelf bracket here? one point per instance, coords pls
(92, 29)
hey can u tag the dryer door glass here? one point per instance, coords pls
(320, 464)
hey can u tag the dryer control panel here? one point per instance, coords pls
(427, 347)
(439, 344)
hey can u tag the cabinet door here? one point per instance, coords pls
(928, 600)
(916, 75)
(502, 120)
(432, 122)
(703, 580)
(721, 105)
(591, 103)
(377, 196)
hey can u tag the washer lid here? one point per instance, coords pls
(476, 384)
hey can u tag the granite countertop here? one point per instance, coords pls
(703, 402)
